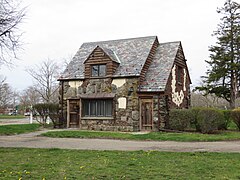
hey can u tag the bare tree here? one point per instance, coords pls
(6, 93)
(11, 15)
(198, 99)
(29, 97)
(45, 76)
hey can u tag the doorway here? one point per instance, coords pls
(146, 114)
(73, 117)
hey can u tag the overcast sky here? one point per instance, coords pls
(55, 29)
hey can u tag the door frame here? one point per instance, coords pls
(145, 100)
(68, 111)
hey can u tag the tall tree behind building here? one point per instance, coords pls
(223, 74)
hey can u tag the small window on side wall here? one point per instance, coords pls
(179, 74)
(98, 70)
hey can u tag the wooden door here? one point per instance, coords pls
(146, 114)
(73, 113)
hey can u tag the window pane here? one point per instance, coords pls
(100, 107)
(108, 107)
(92, 108)
(95, 70)
(102, 70)
(86, 108)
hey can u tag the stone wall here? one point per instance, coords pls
(125, 103)
(163, 111)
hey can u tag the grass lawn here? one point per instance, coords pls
(155, 136)
(11, 117)
(20, 163)
(18, 129)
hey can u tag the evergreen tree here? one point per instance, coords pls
(223, 74)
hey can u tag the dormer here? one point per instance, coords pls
(102, 62)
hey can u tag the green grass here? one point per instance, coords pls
(11, 117)
(155, 136)
(18, 129)
(56, 164)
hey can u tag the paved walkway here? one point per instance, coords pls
(33, 140)
(16, 121)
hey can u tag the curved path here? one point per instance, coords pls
(33, 140)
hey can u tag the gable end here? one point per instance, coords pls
(181, 61)
(100, 56)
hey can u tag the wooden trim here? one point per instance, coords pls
(140, 114)
(62, 114)
(80, 113)
(68, 113)
(149, 59)
(97, 118)
(73, 98)
(71, 79)
(159, 116)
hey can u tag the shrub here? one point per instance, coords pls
(207, 120)
(46, 110)
(235, 114)
(42, 110)
(179, 119)
(194, 122)
(53, 113)
(227, 119)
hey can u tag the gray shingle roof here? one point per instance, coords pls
(158, 73)
(132, 54)
(112, 55)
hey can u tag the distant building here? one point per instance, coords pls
(124, 85)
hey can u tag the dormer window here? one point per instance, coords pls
(99, 70)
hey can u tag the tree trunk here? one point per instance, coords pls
(233, 90)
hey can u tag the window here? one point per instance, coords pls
(97, 108)
(98, 70)
(179, 74)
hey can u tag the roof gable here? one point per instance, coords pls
(181, 60)
(160, 69)
(111, 54)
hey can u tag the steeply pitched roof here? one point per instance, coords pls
(132, 54)
(158, 73)
(111, 54)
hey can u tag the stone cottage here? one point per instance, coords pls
(124, 85)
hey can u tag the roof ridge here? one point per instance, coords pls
(144, 37)
(170, 42)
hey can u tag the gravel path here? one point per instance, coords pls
(33, 140)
